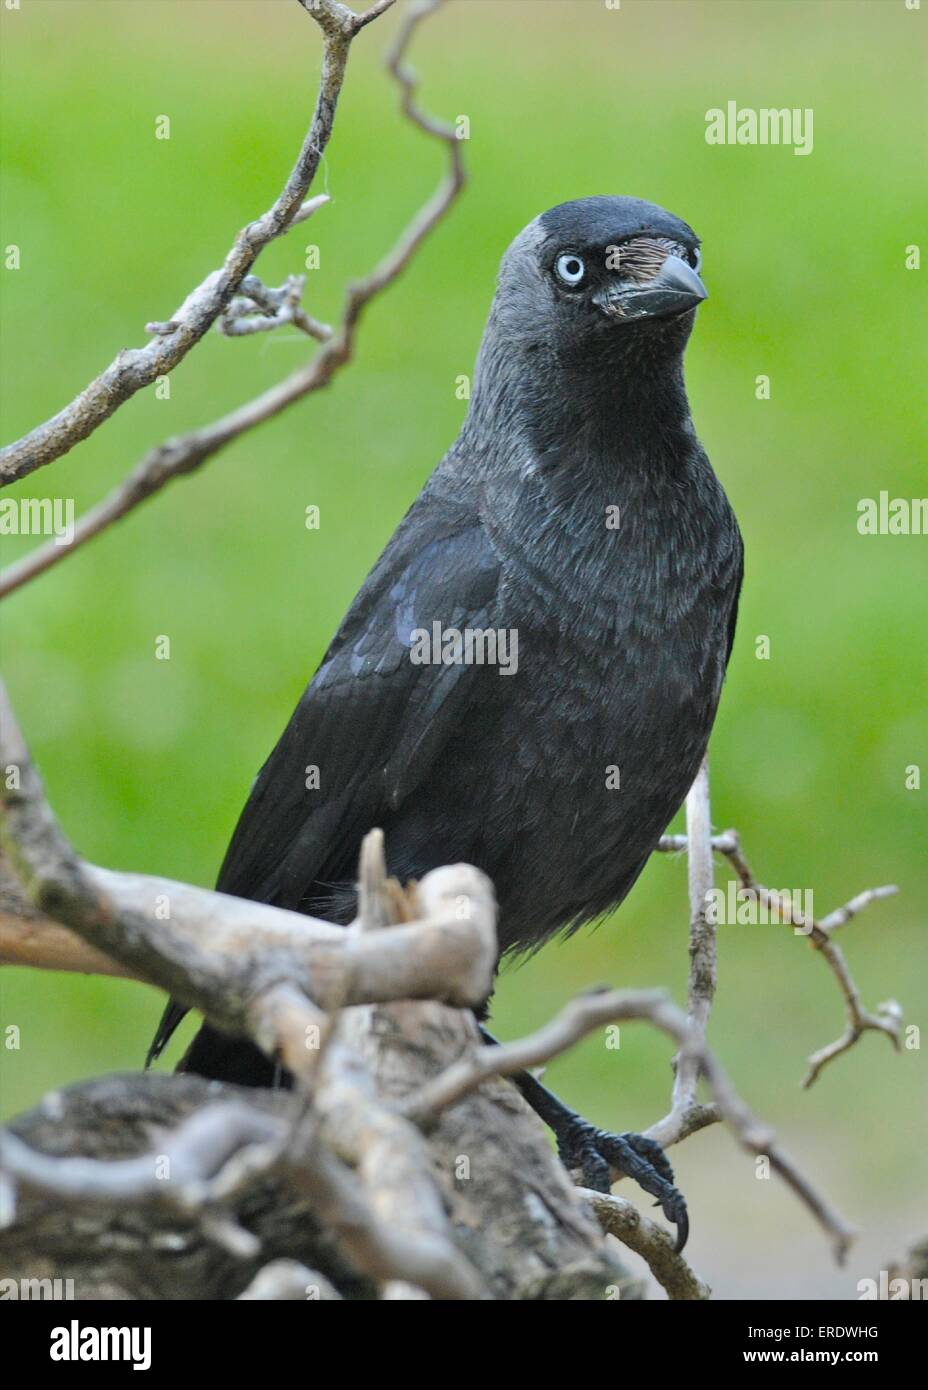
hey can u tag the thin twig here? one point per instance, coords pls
(374, 905)
(185, 453)
(374, 12)
(703, 973)
(259, 309)
(888, 1017)
(576, 1019)
(842, 915)
(595, 1010)
(686, 1114)
(134, 368)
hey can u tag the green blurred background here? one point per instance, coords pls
(148, 762)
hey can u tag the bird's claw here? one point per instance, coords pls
(595, 1152)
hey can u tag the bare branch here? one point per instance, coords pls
(594, 1010)
(252, 969)
(622, 1219)
(28, 937)
(134, 368)
(376, 1246)
(887, 1019)
(269, 974)
(292, 1208)
(312, 205)
(703, 972)
(186, 1174)
(578, 1017)
(374, 12)
(842, 915)
(223, 1149)
(687, 1114)
(259, 309)
(386, 1152)
(679, 1124)
(186, 453)
(889, 1016)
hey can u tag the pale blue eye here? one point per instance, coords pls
(570, 268)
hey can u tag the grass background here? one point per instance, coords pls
(148, 762)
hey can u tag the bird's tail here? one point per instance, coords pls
(221, 1057)
(217, 1056)
(171, 1017)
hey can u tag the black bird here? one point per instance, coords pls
(577, 519)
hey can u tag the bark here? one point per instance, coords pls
(515, 1218)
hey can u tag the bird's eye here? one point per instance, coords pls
(697, 260)
(570, 268)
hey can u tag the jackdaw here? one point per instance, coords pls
(577, 528)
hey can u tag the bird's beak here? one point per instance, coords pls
(675, 288)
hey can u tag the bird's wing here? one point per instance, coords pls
(371, 721)
(735, 593)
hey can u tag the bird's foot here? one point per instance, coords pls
(594, 1152)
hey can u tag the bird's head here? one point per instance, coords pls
(600, 274)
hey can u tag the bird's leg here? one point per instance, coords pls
(594, 1152)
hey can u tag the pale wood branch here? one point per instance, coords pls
(595, 1010)
(621, 1219)
(250, 968)
(184, 454)
(134, 368)
(888, 1018)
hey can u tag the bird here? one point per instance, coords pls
(576, 526)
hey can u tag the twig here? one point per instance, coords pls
(578, 1017)
(134, 368)
(594, 1010)
(686, 1114)
(842, 915)
(703, 973)
(374, 12)
(622, 1219)
(259, 309)
(887, 1019)
(185, 453)
(374, 908)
